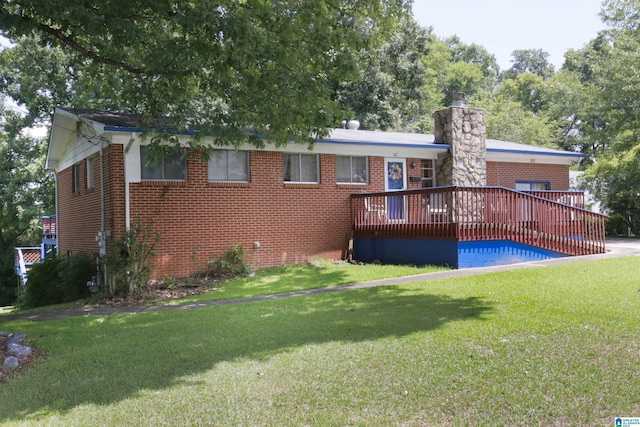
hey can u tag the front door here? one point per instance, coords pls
(396, 179)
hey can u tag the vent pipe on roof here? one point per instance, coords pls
(353, 125)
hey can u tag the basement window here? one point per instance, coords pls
(168, 166)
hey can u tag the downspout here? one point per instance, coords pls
(102, 235)
(127, 189)
(102, 214)
(55, 180)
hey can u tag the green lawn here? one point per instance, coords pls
(542, 346)
(290, 278)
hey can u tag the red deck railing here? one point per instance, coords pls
(49, 227)
(573, 198)
(549, 220)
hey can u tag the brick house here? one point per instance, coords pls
(284, 205)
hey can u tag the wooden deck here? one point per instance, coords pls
(25, 257)
(552, 220)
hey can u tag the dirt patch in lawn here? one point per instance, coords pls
(24, 362)
(158, 291)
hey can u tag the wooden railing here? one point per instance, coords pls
(49, 227)
(24, 259)
(573, 198)
(480, 213)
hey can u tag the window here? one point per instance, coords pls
(428, 173)
(229, 165)
(352, 170)
(532, 186)
(75, 176)
(171, 166)
(90, 172)
(301, 168)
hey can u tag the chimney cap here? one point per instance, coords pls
(459, 99)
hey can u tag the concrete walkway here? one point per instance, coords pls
(615, 248)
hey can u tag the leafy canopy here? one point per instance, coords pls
(25, 194)
(607, 67)
(223, 67)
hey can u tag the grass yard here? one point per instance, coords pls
(553, 345)
(291, 278)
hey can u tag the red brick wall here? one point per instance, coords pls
(506, 174)
(414, 171)
(114, 192)
(79, 212)
(200, 220)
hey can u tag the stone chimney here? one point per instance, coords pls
(463, 129)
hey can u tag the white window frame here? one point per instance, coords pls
(75, 176)
(226, 153)
(89, 165)
(529, 185)
(182, 152)
(431, 168)
(352, 170)
(300, 163)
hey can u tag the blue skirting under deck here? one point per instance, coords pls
(447, 252)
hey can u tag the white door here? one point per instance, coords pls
(396, 179)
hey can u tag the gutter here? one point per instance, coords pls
(538, 153)
(127, 186)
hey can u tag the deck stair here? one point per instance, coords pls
(25, 257)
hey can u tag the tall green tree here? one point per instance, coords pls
(40, 77)
(26, 193)
(35, 79)
(413, 74)
(389, 92)
(527, 88)
(223, 68)
(607, 67)
(534, 61)
(508, 120)
(473, 70)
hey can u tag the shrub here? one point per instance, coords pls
(231, 263)
(617, 226)
(58, 280)
(76, 271)
(129, 260)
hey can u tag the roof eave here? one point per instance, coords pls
(533, 156)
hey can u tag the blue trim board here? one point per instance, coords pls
(426, 145)
(534, 152)
(447, 252)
